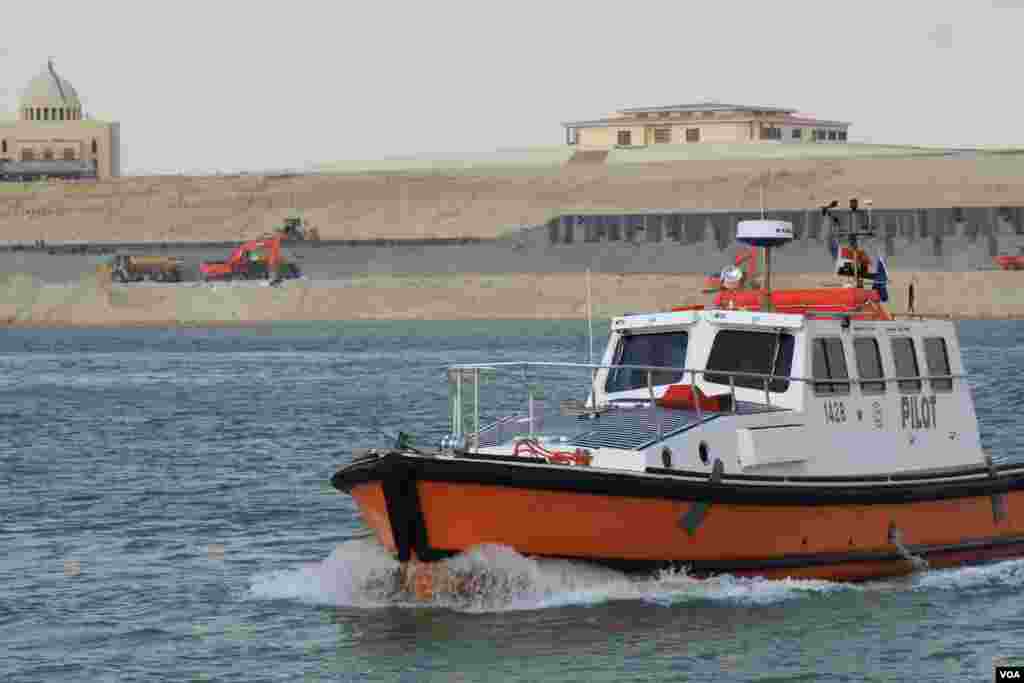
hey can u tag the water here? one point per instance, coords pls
(165, 515)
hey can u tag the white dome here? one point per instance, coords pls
(49, 90)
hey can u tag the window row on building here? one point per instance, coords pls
(664, 135)
(51, 114)
(48, 153)
(30, 155)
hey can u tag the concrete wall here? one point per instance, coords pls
(928, 239)
(596, 137)
(668, 242)
(724, 132)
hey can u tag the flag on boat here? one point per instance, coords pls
(738, 275)
(850, 260)
(881, 279)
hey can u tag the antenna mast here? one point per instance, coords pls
(590, 322)
(851, 235)
(767, 235)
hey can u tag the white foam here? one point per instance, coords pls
(675, 587)
(361, 574)
(356, 574)
(1008, 573)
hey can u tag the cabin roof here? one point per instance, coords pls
(753, 319)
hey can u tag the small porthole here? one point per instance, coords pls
(666, 457)
(702, 450)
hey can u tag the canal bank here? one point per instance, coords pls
(93, 302)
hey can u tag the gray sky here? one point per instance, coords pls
(233, 85)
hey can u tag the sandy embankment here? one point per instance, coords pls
(26, 302)
(485, 204)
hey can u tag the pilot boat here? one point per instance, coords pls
(774, 433)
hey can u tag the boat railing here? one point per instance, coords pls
(466, 380)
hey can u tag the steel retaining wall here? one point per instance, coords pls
(651, 242)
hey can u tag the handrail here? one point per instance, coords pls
(696, 371)
(473, 370)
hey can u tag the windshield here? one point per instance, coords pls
(766, 353)
(667, 349)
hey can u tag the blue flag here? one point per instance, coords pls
(881, 280)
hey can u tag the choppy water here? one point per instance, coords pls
(165, 515)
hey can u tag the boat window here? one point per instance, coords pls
(906, 363)
(765, 353)
(829, 362)
(667, 349)
(869, 364)
(938, 362)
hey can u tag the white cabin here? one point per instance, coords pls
(849, 397)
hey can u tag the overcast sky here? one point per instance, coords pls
(247, 85)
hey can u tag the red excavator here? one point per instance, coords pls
(253, 260)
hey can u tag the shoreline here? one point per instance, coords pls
(93, 303)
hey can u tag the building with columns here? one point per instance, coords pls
(52, 136)
(704, 122)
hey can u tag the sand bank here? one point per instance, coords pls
(91, 302)
(485, 204)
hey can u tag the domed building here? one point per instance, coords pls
(52, 137)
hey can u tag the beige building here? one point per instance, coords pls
(706, 122)
(52, 136)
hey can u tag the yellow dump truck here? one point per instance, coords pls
(126, 268)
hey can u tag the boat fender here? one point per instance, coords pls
(998, 499)
(702, 452)
(896, 538)
(694, 517)
(666, 457)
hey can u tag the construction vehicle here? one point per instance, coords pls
(1010, 261)
(296, 228)
(253, 260)
(125, 268)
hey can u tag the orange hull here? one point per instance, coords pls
(373, 507)
(582, 525)
(438, 518)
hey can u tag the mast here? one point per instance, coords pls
(851, 236)
(766, 234)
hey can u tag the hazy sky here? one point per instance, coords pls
(248, 85)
